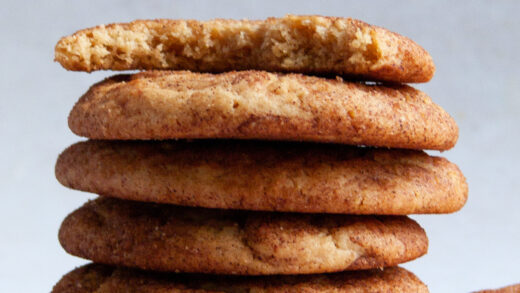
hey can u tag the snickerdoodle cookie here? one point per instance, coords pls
(305, 44)
(261, 105)
(97, 278)
(270, 176)
(181, 239)
(508, 289)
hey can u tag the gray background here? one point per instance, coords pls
(475, 45)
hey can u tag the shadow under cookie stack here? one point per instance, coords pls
(285, 157)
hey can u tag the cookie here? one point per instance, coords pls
(96, 278)
(261, 105)
(194, 240)
(269, 176)
(509, 289)
(305, 44)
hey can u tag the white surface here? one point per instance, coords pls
(475, 45)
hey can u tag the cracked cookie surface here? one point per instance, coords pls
(179, 239)
(261, 105)
(96, 278)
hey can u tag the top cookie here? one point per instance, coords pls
(304, 44)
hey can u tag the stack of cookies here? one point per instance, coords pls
(284, 158)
